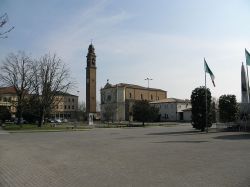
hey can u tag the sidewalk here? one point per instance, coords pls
(3, 131)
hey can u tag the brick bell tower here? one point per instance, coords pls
(91, 80)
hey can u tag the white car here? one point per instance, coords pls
(58, 121)
(65, 120)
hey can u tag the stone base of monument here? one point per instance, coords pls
(91, 119)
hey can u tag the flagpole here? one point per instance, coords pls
(206, 98)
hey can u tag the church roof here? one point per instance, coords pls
(108, 85)
(171, 100)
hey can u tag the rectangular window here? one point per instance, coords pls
(65, 107)
(73, 100)
(68, 107)
(73, 106)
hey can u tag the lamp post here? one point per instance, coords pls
(76, 106)
(148, 79)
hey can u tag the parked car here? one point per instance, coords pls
(65, 120)
(51, 121)
(22, 121)
(58, 121)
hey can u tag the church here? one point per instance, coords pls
(116, 100)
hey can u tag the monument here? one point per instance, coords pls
(244, 86)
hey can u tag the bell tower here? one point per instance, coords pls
(91, 80)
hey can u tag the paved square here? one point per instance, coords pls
(152, 156)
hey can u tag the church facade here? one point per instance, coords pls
(117, 100)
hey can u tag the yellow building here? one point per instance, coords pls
(117, 100)
(65, 106)
(8, 98)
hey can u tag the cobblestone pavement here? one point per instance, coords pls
(152, 156)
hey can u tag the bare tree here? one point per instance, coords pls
(51, 79)
(3, 21)
(82, 106)
(16, 72)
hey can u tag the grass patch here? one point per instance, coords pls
(46, 127)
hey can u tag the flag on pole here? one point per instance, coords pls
(208, 70)
(247, 57)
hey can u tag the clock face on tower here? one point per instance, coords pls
(93, 61)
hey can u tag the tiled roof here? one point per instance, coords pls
(171, 100)
(108, 85)
(187, 109)
(64, 94)
(7, 90)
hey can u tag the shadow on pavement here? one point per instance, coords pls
(178, 133)
(234, 137)
(181, 142)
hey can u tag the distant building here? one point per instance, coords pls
(65, 106)
(172, 109)
(8, 98)
(117, 100)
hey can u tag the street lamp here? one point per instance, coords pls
(148, 79)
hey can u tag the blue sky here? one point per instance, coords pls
(164, 40)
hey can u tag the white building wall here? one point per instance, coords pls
(113, 99)
(167, 111)
(172, 111)
(187, 115)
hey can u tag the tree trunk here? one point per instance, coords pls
(19, 115)
(41, 118)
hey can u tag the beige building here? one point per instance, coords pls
(172, 109)
(65, 107)
(8, 98)
(117, 100)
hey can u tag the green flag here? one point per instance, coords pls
(208, 70)
(247, 57)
